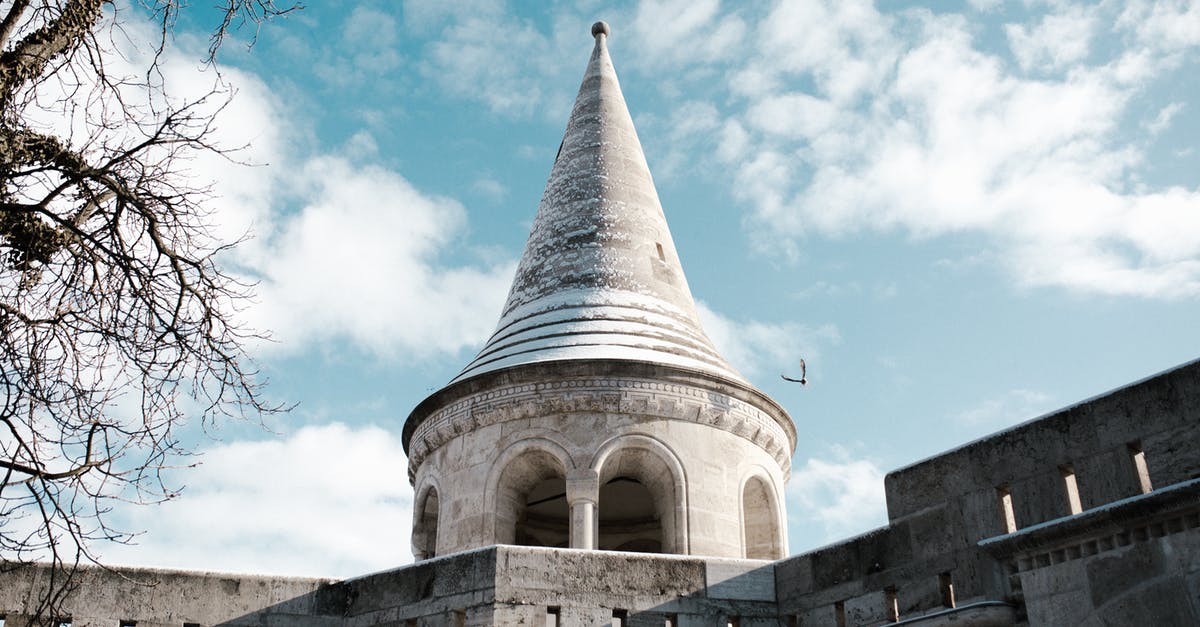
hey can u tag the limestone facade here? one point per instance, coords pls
(713, 458)
(599, 415)
(1130, 556)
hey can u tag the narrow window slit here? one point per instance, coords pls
(552, 616)
(662, 256)
(839, 613)
(1139, 466)
(1007, 516)
(1074, 506)
(620, 618)
(946, 585)
(891, 604)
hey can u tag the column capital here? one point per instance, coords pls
(583, 484)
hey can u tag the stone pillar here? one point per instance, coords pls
(583, 492)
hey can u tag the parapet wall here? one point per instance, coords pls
(150, 597)
(1118, 453)
(1096, 440)
(498, 585)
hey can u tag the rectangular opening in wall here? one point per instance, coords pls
(946, 585)
(61, 622)
(191, 625)
(1071, 488)
(620, 618)
(891, 605)
(1139, 466)
(661, 255)
(1008, 518)
(127, 623)
(552, 615)
(839, 613)
(672, 620)
(734, 621)
(460, 618)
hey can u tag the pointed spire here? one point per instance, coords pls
(600, 278)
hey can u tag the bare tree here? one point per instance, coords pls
(117, 325)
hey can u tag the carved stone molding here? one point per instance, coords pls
(627, 396)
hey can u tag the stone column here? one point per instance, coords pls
(583, 492)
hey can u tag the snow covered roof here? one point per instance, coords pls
(600, 278)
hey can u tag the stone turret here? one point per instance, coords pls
(599, 415)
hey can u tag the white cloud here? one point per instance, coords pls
(684, 31)
(758, 348)
(364, 53)
(486, 54)
(490, 188)
(844, 46)
(1055, 42)
(342, 249)
(325, 501)
(1005, 410)
(1162, 121)
(360, 262)
(1168, 26)
(879, 122)
(843, 494)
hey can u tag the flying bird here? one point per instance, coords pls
(803, 372)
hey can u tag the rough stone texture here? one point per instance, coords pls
(600, 277)
(699, 443)
(595, 387)
(599, 371)
(156, 598)
(1159, 413)
(501, 585)
(1127, 558)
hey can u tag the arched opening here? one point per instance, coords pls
(642, 493)
(629, 519)
(760, 521)
(531, 503)
(546, 520)
(425, 527)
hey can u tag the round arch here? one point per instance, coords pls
(761, 516)
(518, 470)
(426, 516)
(653, 464)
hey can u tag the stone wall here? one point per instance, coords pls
(499, 585)
(1159, 415)
(694, 442)
(1136, 561)
(169, 598)
(1086, 462)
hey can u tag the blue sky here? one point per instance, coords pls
(961, 216)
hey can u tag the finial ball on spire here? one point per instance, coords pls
(600, 28)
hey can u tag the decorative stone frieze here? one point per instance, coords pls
(628, 396)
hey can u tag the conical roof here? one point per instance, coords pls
(600, 278)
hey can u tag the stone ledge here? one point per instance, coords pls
(1174, 509)
(659, 393)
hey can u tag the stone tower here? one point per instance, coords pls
(599, 415)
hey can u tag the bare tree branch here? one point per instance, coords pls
(118, 327)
